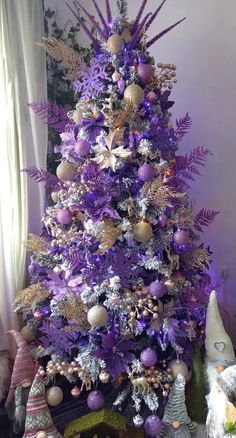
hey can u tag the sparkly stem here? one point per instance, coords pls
(154, 15)
(84, 27)
(103, 21)
(93, 22)
(161, 34)
(139, 15)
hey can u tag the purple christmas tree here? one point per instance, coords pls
(119, 284)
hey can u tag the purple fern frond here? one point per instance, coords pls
(53, 114)
(93, 22)
(108, 10)
(84, 27)
(138, 33)
(139, 15)
(154, 15)
(204, 218)
(183, 125)
(164, 32)
(103, 21)
(75, 261)
(51, 181)
(186, 167)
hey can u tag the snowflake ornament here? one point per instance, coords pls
(90, 80)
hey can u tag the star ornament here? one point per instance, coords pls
(108, 155)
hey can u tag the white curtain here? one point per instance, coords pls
(23, 142)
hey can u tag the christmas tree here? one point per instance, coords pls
(118, 276)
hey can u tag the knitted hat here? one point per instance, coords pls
(24, 366)
(38, 418)
(227, 382)
(218, 343)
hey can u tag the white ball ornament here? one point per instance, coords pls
(142, 231)
(54, 396)
(97, 316)
(178, 367)
(66, 171)
(27, 333)
(115, 44)
(134, 93)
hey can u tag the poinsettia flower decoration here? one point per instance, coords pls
(107, 154)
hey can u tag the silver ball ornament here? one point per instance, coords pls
(138, 420)
(54, 396)
(178, 367)
(97, 316)
(134, 93)
(66, 171)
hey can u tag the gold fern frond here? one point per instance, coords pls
(29, 297)
(36, 244)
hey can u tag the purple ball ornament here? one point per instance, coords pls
(148, 357)
(162, 219)
(95, 400)
(157, 289)
(144, 72)
(181, 237)
(82, 147)
(147, 172)
(153, 425)
(64, 216)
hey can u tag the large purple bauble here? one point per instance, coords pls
(157, 289)
(95, 400)
(145, 72)
(148, 357)
(82, 147)
(64, 216)
(147, 172)
(153, 425)
(181, 237)
(162, 220)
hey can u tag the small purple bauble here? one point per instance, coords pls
(64, 216)
(181, 237)
(162, 220)
(148, 357)
(147, 172)
(145, 72)
(82, 147)
(95, 400)
(153, 425)
(157, 289)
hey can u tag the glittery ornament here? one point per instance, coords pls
(97, 316)
(115, 44)
(142, 231)
(77, 116)
(151, 97)
(82, 147)
(157, 289)
(95, 400)
(146, 172)
(181, 237)
(64, 216)
(66, 171)
(27, 333)
(153, 425)
(178, 367)
(145, 72)
(134, 93)
(162, 219)
(104, 376)
(148, 357)
(54, 396)
(75, 392)
(138, 420)
(37, 315)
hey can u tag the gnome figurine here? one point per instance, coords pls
(38, 418)
(219, 348)
(4, 364)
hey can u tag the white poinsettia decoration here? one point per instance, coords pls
(108, 154)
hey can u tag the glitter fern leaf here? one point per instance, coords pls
(204, 218)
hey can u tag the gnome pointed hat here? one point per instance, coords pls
(218, 343)
(38, 417)
(24, 366)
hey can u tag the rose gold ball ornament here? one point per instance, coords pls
(41, 434)
(151, 97)
(115, 44)
(54, 396)
(75, 392)
(77, 115)
(104, 376)
(66, 171)
(134, 93)
(27, 333)
(176, 424)
(178, 367)
(142, 231)
(97, 316)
